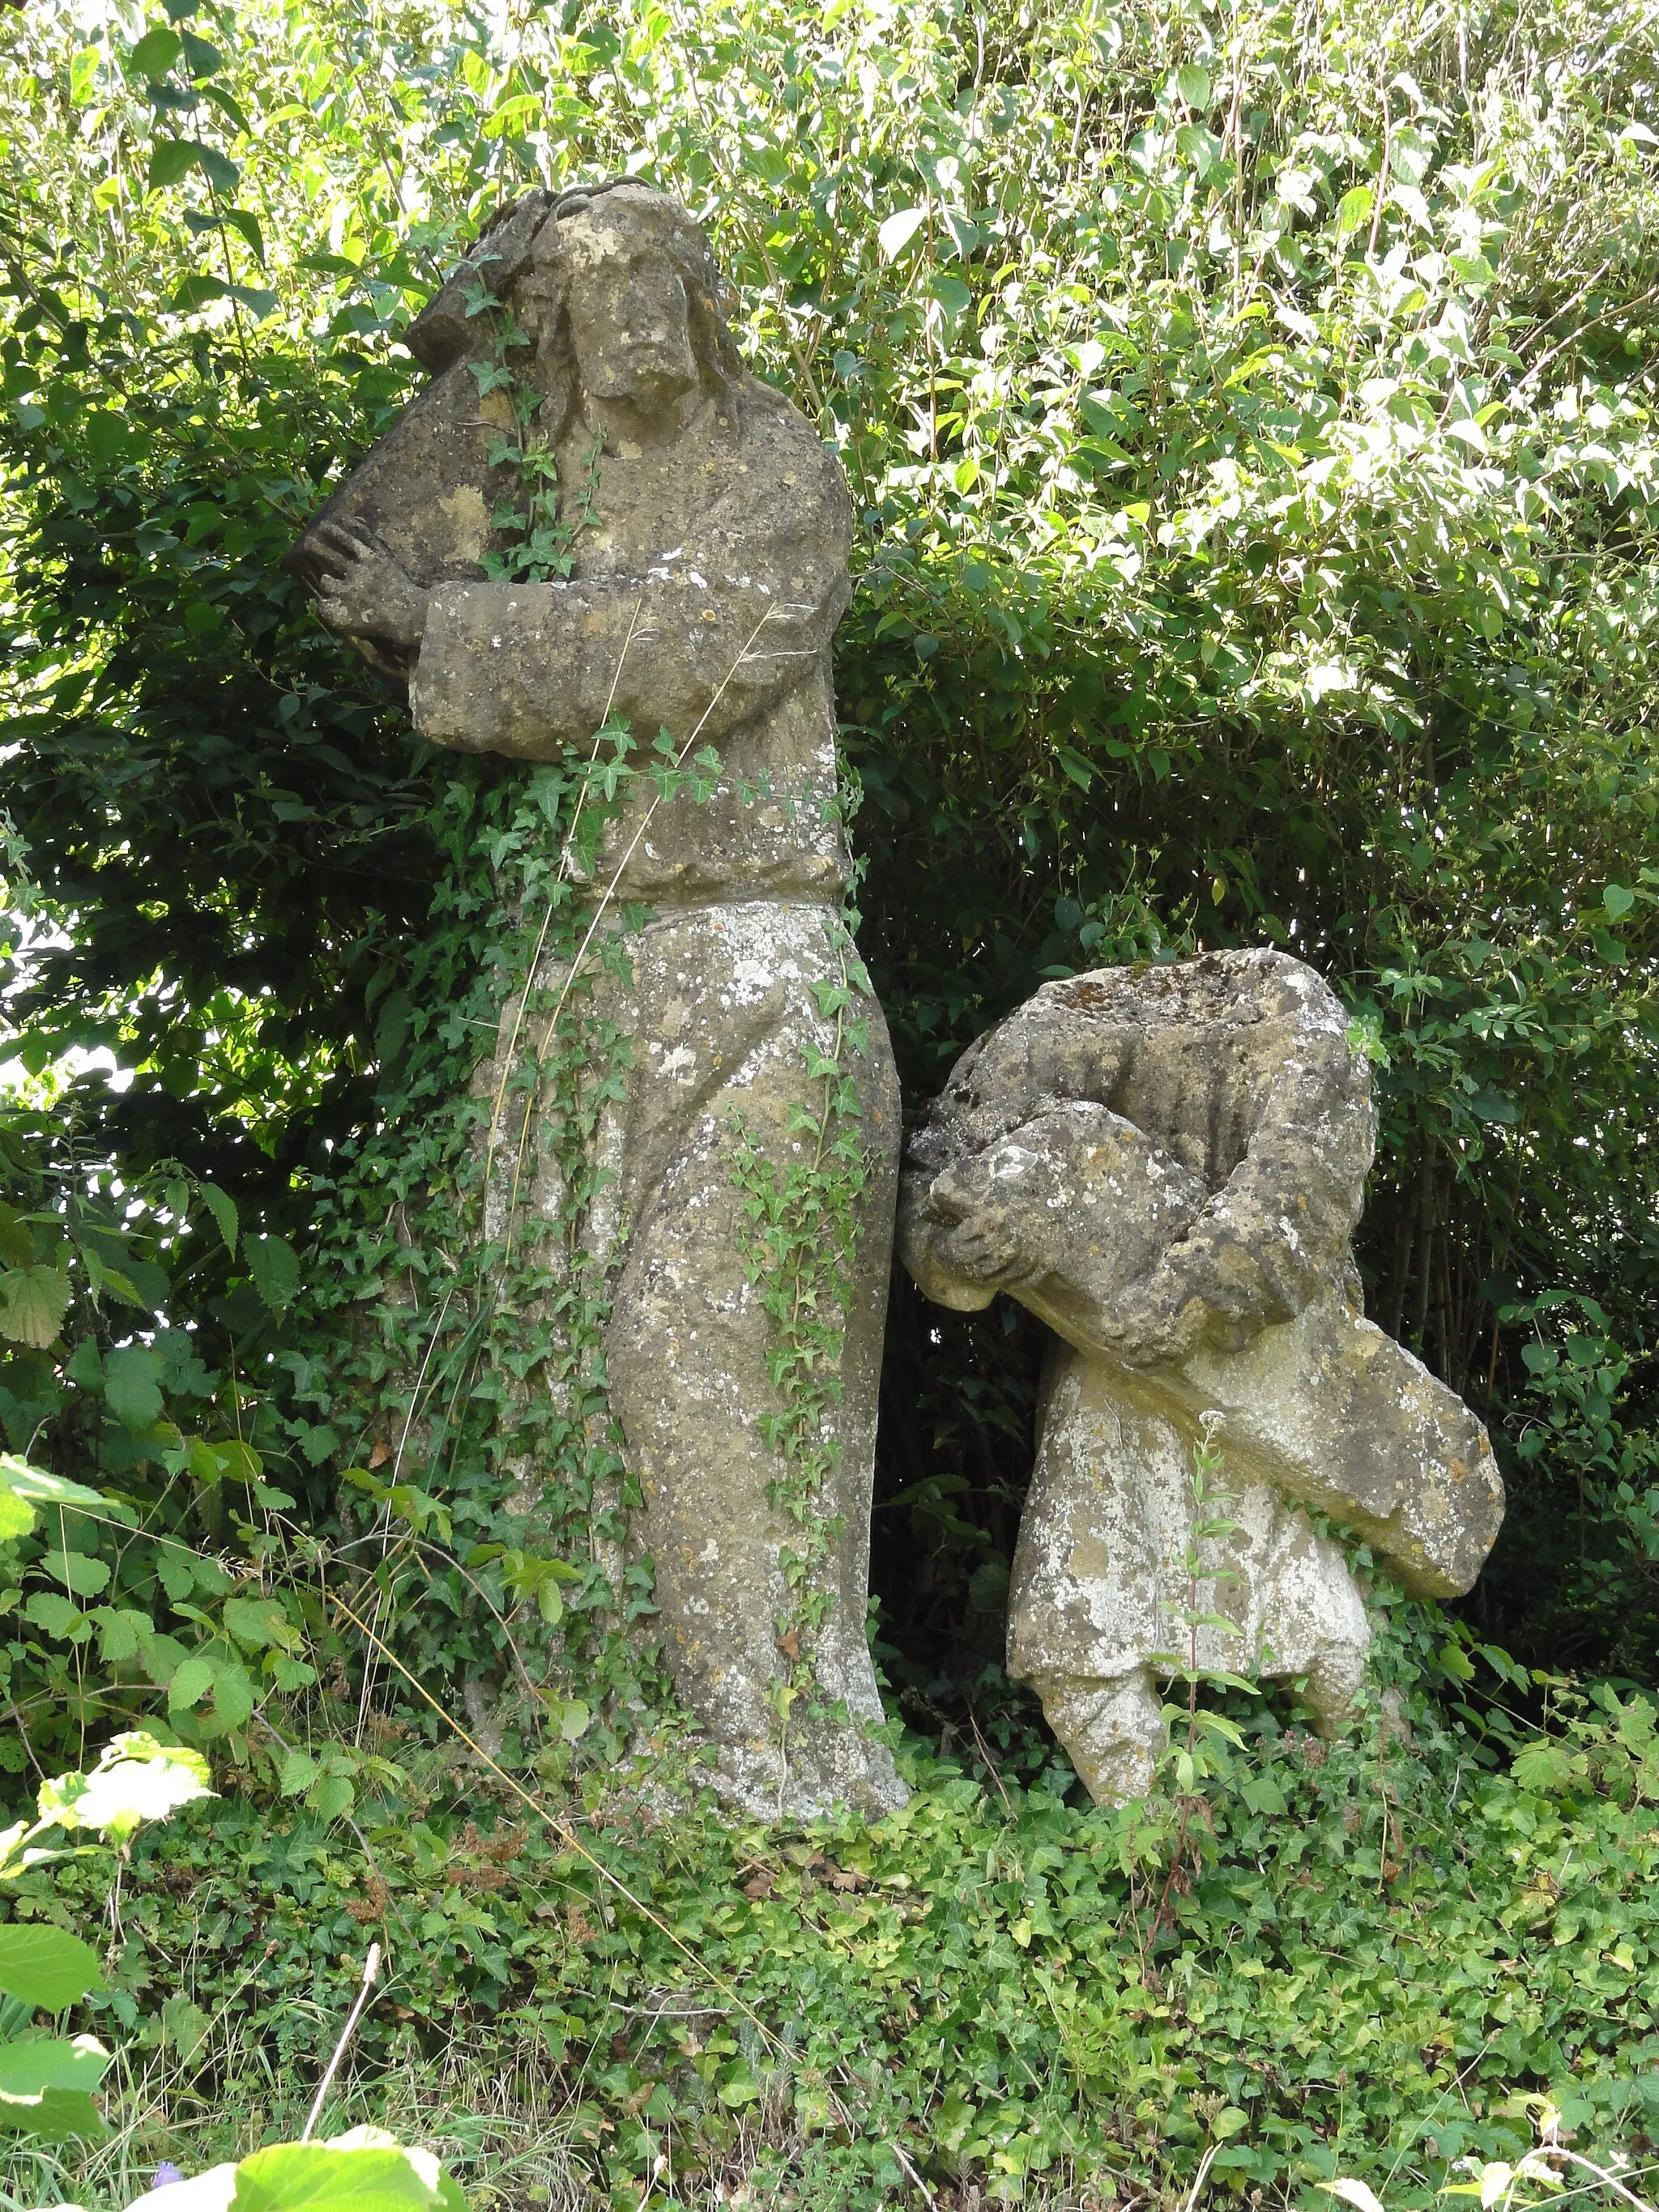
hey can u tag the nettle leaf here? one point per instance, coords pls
(274, 1266)
(33, 1303)
(77, 1571)
(189, 1686)
(259, 1622)
(223, 1209)
(45, 1967)
(132, 1385)
(58, 1615)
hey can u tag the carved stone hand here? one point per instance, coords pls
(365, 594)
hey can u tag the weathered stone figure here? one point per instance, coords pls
(1167, 1164)
(711, 533)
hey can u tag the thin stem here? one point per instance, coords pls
(371, 1971)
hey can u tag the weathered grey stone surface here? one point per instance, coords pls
(1167, 1164)
(702, 596)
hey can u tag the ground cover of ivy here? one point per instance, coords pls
(1379, 1959)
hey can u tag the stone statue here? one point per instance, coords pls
(1166, 1165)
(706, 539)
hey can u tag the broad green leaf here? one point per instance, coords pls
(46, 1967)
(1543, 1767)
(27, 2067)
(17, 1245)
(1193, 84)
(220, 172)
(107, 436)
(170, 160)
(895, 233)
(259, 1622)
(197, 291)
(23, 1488)
(233, 1692)
(1353, 209)
(184, 2026)
(137, 1779)
(332, 1798)
(274, 1266)
(157, 52)
(200, 60)
(33, 1303)
(317, 2177)
(1618, 901)
(50, 2115)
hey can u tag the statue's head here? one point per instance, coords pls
(621, 286)
(614, 287)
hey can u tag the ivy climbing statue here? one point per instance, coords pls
(718, 1145)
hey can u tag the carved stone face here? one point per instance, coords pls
(631, 330)
(629, 319)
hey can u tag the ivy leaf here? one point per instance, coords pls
(33, 1303)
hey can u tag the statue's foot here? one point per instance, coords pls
(1333, 1682)
(829, 1770)
(1112, 1730)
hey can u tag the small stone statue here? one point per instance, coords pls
(1166, 1165)
(705, 540)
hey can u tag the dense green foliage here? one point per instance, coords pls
(1250, 421)
(1381, 1954)
(1250, 413)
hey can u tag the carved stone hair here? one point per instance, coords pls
(544, 235)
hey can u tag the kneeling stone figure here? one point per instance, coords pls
(1166, 1165)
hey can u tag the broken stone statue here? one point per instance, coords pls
(1166, 1165)
(707, 533)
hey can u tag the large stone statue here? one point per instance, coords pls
(704, 532)
(1166, 1165)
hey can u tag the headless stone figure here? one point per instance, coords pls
(709, 532)
(1166, 1165)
